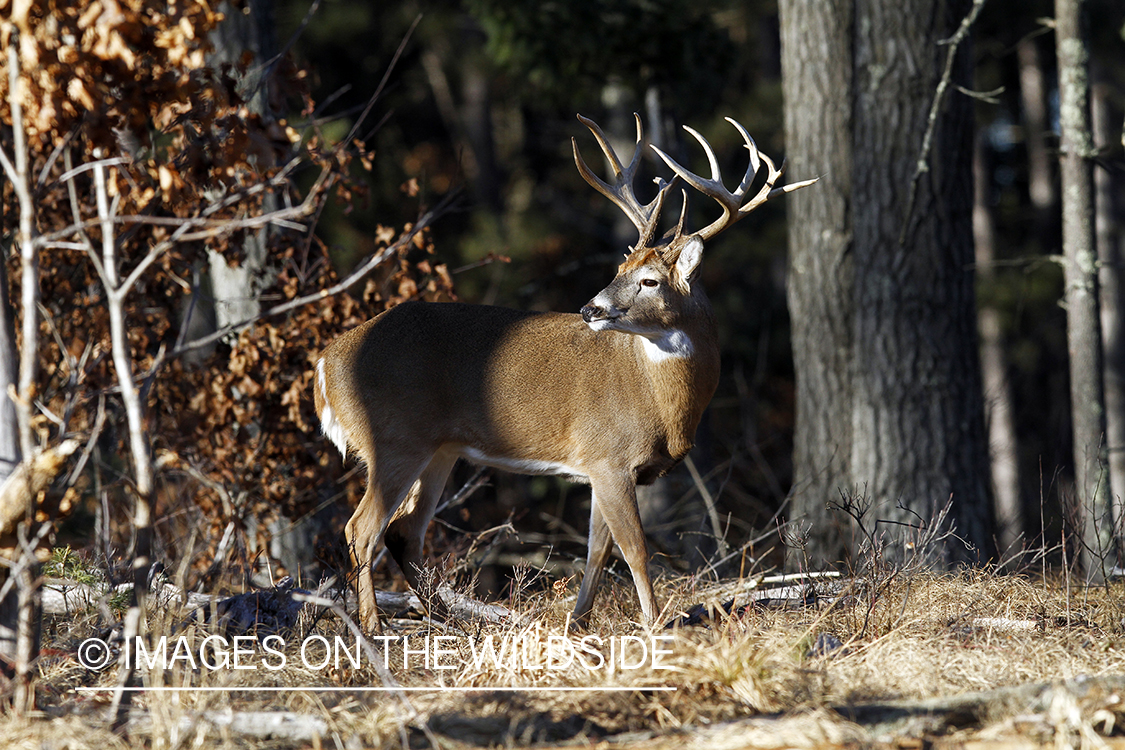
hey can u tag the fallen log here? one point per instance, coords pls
(244, 611)
(1089, 694)
(278, 725)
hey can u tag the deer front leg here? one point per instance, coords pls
(616, 496)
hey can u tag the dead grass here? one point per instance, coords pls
(910, 638)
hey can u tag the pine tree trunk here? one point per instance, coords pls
(1109, 186)
(817, 78)
(1033, 100)
(1002, 442)
(918, 428)
(1081, 273)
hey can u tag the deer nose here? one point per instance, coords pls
(592, 312)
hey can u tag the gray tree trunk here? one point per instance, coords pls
(816, 47)
(1002, 442)
(1109, 187)
(918, 439)
(235, 290)
(1084, 336)
(1033, 100)
(468, 120)
(883, 304)
(20, 612)
(10, 455)
(228, 294)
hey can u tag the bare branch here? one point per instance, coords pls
(16, 172)
(78, 226)
(59, 148)
(709, 502)
(70, 174)
(65, 246)
(218, 228)
(9, 168)
(105, 221)
(923, 164)
(29, 260)
(134, 411)
(382, 83)
(203, 219)
(375, 260)
(271, 66)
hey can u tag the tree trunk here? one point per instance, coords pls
(10, 455)
(1002, 443)
(469, 121)
(1108, 185)
(1033, 98)
(19, 610)
(236, 289)
(1081, 274)
(816, 51)
(917, 420)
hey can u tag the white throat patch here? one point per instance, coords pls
(675, 344)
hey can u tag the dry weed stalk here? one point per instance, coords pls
(926, 638)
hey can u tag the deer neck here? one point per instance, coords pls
(682, 367)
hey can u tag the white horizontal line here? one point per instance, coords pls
(435, 688)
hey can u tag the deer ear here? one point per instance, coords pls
(687, 263)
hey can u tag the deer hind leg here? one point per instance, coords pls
(406, 534)
(598, 548)
(617, 498)
(387, 486)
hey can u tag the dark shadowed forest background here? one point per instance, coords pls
(384, 111)
(484, 98)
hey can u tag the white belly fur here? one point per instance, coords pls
(522, 466)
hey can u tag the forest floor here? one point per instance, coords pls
(973, 659)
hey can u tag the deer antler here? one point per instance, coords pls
(644, 217)
(733, 208)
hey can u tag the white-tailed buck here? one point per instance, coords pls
(610, 397)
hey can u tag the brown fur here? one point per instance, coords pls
(423, 384)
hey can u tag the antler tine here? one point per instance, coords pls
(731, 203)
(713, 187)
(755, 162)
(644, 217)
(791, 186)
(683, 215)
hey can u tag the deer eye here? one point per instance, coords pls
(649, 282)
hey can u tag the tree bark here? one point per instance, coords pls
(1081, 275)
(918, 437)
(882, 303)
(19, 610)
(1033, 98)
(1002, 442)
(10, 455)
(236, 289)
(817, 75)
(1108, 185)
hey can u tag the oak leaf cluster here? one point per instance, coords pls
(131, 85)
